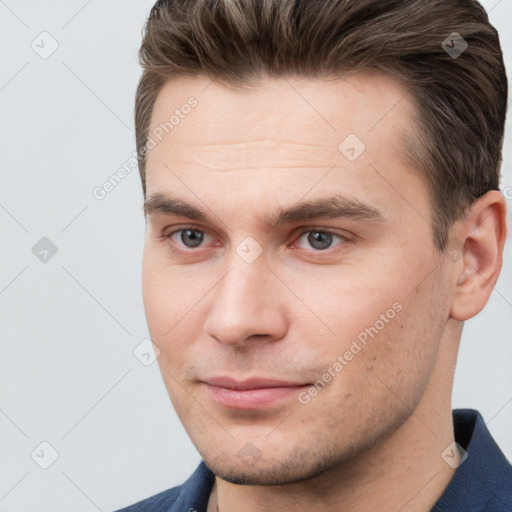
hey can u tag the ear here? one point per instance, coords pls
(478, 241)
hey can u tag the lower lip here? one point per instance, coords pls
(251, 398)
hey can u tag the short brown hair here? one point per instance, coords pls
(461, 100)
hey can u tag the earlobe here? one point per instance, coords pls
(483, 235)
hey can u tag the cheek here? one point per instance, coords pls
(175, 317)
(161, 306)
(347, 309)
(169, 295)
(385, 339)
(381, 378)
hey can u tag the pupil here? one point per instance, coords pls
(320, 240)
(195, 237)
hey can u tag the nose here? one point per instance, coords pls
(247, 305)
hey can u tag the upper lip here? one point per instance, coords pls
(253, 383)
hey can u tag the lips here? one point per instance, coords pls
(254, 393)
(254, 383)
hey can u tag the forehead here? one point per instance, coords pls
(300, 127)
(315, 114)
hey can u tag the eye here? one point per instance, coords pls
(189, 237)
(320, 240)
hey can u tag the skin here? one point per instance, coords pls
(372, 438)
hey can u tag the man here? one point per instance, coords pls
(321, 184)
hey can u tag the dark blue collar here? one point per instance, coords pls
(483, 482)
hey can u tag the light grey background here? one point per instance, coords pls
(69, 326)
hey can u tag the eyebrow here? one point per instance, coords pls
(331, 207)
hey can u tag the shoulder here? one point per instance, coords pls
(191, 496)
(159, 502)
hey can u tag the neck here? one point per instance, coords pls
(403, 472)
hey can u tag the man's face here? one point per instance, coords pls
(290, 343)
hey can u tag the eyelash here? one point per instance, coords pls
(300, 235)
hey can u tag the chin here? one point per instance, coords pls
(290, 469)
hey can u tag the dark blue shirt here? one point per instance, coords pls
(482, 483)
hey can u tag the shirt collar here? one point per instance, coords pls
(483, 474)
